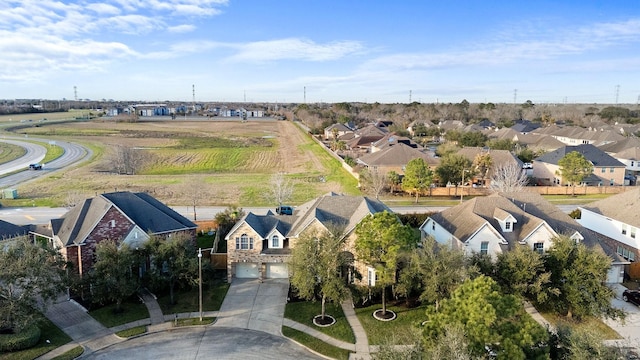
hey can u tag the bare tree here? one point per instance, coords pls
(127, 160)
(195, 193)
(508, 177)
(281, 189)
(373, 181)
(73, 198)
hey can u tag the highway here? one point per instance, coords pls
(73, 153)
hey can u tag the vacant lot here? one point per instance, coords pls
(209, 162)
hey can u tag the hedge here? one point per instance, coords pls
(25, 339)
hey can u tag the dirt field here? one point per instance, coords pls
(291, 154)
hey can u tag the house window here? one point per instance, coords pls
(539, 248)
(433, 226)
(619, 250)
(112, 223)
(632, 163)
(484, 247)
(275, 241)
(372, 276)
(244, 242)
(633, 233)
(632, 256)
(603, 170)
(507, 225)
(611, 170)
(624, 229)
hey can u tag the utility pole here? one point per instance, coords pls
(515, 95)
(617, 93)
(409, 96)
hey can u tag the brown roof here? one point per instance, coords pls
(622, 207)
(398, 154)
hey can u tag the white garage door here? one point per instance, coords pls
(247, 271)
(277, 271)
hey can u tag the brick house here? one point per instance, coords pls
(259, 246)
(125, 217)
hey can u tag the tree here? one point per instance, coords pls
(579, 273)
(173, 260)
(473, 138)
(574, 167)
(373, 181)
(126, 160)
(521, 272)
(417, 177)
(112, 277)
(490, 320)
(394, 180)
(501, 144)
(315, 264)
(452, 345)
(585, 343)
(381, 238)
(482, 164)
(280, 189)
(28, 272)
(434, 270)
(508, 177)
(451, 168)
(225, 220)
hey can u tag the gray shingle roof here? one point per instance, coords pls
(9, 230)
(622, 207)
(398, 154)
(598, 157)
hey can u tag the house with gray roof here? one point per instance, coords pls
(617, 220)
(500, 222)
(259, 246)
(606, 169)
(124, 217)
(395, 157)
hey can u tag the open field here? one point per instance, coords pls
(215, 162)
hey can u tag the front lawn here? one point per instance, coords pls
(379, 332)
(48, 331)
(131, 311)
(316, 344)
(304, 312)
(188, 301)
(589, 323)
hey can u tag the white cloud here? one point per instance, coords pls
(292, 48)
(131, 24)
(179, 29)
(103, 9)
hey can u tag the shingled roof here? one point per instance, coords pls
(398, 154)
(146, 212)
(622, 207)
(597, 157)
(9, 230)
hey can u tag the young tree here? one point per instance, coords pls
(112, 277)
(225, 221)
(451, 168)
(482, 164)
(28, 272)
(315, 264)
(381, 238)
(508, 177)
(280, 189)
(434, 270)
(373, 181)
(173, 260)
(417, 177)
(579, 273)
(490, 320)
(394, 180)
(574, 167)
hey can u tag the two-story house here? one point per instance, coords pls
(259, 246)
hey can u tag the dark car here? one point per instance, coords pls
(284, 210)
(631, 296)
(35, 166)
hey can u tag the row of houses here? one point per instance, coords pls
(146, 110)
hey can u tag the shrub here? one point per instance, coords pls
(576, 214)
(25, 339)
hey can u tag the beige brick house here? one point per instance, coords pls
(259, 246)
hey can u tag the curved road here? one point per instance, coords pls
(35, 153)
(72, 154)
(206, 343)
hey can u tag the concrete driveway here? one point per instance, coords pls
(253, 305)
(206, 343)
(629, 329)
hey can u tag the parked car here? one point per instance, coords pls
(284, 210)
(631, 296)
(35, 166)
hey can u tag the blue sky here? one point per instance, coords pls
(344, 50)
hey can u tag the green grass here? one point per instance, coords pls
(378, 331)
(132, 311)
(9, 152)
(590, 323)
(578, 199)
(71, 354)
(196, 321)
(304, 312)
(199, 161)
(132, 332)
(315, 344)
(53, 152)
(188, 301)
(49, 332)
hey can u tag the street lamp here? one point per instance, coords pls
(200, 279)
(462, 185)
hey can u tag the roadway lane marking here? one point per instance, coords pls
(29, 217)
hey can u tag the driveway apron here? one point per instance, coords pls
(73, 319)
(251, 304)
